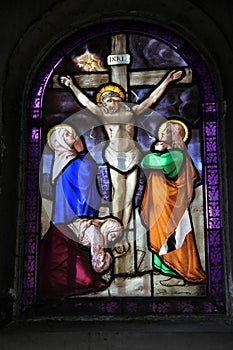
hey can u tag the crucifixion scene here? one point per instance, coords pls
(121, 173)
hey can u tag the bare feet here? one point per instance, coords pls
(120, 248)
(172, 281)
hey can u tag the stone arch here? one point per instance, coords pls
(167, 16)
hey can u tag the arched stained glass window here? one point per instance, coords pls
(123, 220)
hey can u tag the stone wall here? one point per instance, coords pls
(29, 29)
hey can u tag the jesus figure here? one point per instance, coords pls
(122, 153)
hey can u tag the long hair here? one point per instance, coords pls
(177, 132)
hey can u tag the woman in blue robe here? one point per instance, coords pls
(74, 177)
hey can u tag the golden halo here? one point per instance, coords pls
(174, 121)
(113, 88)
(59, 126)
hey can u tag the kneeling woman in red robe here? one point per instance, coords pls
(74, 257)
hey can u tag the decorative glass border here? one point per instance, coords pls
(214, 302)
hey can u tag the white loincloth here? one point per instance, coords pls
(123, 161)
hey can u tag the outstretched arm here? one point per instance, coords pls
(81, 97)
(158, 92)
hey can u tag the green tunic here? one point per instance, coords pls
(169, 162)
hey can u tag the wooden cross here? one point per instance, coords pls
(119, 71)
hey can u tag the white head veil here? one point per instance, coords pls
(63, 153)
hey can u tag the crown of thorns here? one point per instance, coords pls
(111, 90)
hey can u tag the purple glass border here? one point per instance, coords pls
(214, 303)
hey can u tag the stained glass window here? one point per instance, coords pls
(123, 192)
